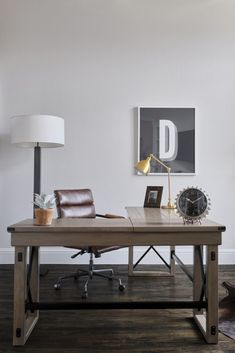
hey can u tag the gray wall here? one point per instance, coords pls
(93, 62)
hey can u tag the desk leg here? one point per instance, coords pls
(212, 294)
(130, 260)
(34, 287)
(24, 321)
(209, 324)
(198, 276)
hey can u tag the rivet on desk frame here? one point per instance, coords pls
(213, 257)
(18, 332)
(213, 330)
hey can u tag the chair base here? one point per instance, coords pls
(90, 273)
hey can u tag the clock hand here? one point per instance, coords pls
(197, 199)
(189, 200)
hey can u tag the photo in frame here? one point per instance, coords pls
(153, 196)
(169, 134)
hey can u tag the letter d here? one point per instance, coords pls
(168, 140)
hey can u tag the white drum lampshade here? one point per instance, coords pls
(37, 130)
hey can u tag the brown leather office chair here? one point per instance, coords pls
(80, 204)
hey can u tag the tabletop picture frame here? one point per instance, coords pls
(153, 196)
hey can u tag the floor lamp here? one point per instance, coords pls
(37, 131)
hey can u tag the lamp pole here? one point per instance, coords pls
(37, 173)
(170, 204)
(37, 169)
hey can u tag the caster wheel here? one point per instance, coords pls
(57, 286)
(84, 295)
(121, 287)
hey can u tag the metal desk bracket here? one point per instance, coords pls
(132, 271)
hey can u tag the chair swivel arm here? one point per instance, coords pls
(109, 215)
(78, 253)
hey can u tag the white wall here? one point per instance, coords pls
(92, 62)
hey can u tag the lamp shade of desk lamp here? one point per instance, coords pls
(144, 167)
(36, 131)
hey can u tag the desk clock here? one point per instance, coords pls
(192, 204)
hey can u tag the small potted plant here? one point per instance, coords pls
(45, 210)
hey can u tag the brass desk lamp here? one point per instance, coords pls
(144, 167)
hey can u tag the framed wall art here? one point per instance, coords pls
(153, 196)
(169, 134)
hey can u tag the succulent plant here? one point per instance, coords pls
(44, 201)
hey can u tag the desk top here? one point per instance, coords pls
(158, 219)
(62, 225)
(143, 227)
(140, 220)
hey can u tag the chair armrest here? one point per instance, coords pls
(108, 215)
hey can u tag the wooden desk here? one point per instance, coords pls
(144, 227)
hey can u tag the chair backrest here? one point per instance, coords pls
(75, 203)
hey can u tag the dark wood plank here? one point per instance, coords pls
(137, 331)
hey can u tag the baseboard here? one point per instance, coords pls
(61, 255)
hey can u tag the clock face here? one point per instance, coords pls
(192, 203)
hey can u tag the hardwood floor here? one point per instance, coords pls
(117, 331)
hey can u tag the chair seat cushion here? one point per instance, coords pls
(98, 250)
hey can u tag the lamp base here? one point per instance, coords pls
(169, 206)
